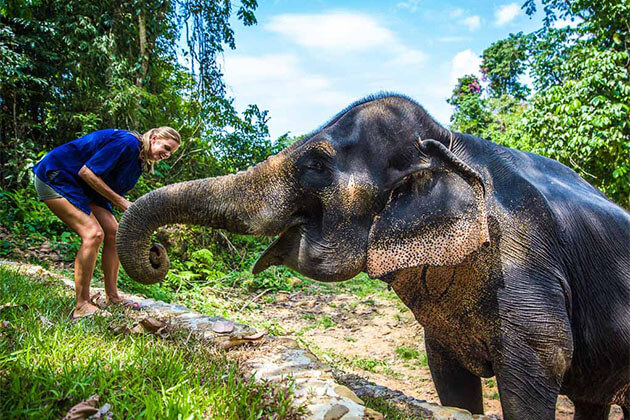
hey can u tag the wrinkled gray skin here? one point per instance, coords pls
(514, 265)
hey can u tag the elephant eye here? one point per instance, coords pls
(317, 166)
(315, 171)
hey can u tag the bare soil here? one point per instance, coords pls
(375, 337)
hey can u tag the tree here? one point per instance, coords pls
(579, 110)
(470, 114)
(502, 65)
(73, 66)
(584, 122)
(606, 21)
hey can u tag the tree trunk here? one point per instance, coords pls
(144, 52)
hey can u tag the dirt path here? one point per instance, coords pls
(374, 336)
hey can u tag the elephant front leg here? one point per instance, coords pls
(529, 380)
(455, 385)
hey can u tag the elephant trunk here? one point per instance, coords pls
(247, 203)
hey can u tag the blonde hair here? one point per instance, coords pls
(161, 133)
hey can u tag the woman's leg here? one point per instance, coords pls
(91, 233)
(109, 258)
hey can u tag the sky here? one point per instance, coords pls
(306, 60)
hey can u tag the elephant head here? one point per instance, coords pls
(363, 193)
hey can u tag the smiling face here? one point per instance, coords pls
(162, 148)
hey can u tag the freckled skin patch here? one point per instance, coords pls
(513, 264)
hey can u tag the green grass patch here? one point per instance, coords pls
(389, 411)
(370, 365)
(412, 354)
(326, 322)
(48, 364)
(361, 286)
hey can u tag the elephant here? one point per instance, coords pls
(515, 266)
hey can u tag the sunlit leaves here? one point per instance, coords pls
(584, 122)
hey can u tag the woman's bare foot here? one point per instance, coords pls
(127, 303)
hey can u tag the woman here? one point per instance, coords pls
(81, 180)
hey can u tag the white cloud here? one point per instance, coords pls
(411, 5)
(472, 22)
(338, 32)
(456, 13)
(279, 82)
(507, 13)
(465, 62)
(405, 56)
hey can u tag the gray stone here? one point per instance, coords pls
(336, 412)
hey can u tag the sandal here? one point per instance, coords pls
(99, 300)
(102, 302)
(96, 312)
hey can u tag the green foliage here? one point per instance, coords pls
(48, 364)
(370, 365)
(549, 50)
(29, 223)
(584, 122)
(579, 111)
(505, 111)
(389, 409)
(411, 353)
(470, 114)
(502, 64)
(71, 67)
(606, 21)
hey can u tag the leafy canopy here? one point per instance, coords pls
(579, 110)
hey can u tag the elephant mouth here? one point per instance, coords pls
(282, 251)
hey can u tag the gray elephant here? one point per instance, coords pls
(514, 265)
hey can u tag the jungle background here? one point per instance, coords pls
(74, 66)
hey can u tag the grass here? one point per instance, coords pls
(412, 354)
(389, 411)
(407, 353)
(48, 364)
(362, 286)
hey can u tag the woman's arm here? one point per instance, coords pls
(103, 189)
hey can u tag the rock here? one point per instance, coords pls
(370, 414)
(336, 412)
(152, 325)
(256, 336)
(295, 281)
(137, 329)
(223, 326)
(282, 297)
(344, 391)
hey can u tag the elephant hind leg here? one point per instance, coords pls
(588, 411)
(455, 385)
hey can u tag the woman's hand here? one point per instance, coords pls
(103, 189)
(123, 204)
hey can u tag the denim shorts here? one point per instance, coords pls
(45, 191)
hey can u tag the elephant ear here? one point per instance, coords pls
(436, 215)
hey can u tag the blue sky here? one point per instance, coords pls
(306, 60)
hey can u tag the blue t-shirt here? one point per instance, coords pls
(113, 155)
